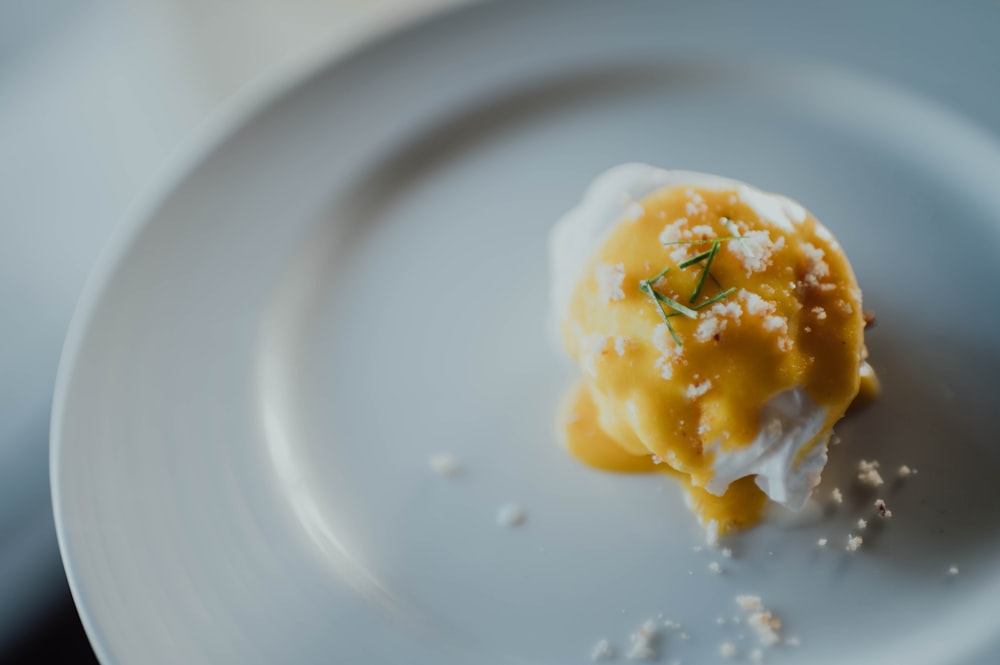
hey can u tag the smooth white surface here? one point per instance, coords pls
(96, 99)
(240, 445)
(576, 238)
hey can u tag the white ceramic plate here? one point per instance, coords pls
(354, 280)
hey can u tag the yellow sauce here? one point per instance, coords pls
(647, 404)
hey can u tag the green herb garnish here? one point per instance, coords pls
(716, 298)
(705, 271)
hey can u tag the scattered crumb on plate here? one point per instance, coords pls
(511, 515)
(602, 651)
(642, 642)
(444, 464)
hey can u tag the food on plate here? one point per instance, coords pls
(720, 334)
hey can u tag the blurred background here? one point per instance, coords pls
(96, 97)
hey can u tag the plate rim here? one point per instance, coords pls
(220, 126)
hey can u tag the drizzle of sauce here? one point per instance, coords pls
(646, 405)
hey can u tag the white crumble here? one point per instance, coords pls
(727, 650)
(785, 344)
(709, 328)
(749, 603)
(953, 571)
(819, 312)
(846, 307)
(793, 641)
(674, 232)
(696, 390)
(511, 515)
(754, 250)
(754, 304)
(862, 523)
(757, 656)
(868, 473)
(444, 464)
(905, 471)
(671, 624)
(602, 651)
(837, 496)
(773, 323)
(822, 542)
(702, 232)
(816, 267)
(642, 642)
(726, 552)
(714, 567)
(610, 278)
(854, 542)
(766, 626)
(664, 367)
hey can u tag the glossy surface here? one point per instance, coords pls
(226, 427)
(689, 378)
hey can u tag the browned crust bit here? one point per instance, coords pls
(870, 320)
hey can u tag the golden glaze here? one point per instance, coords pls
(625, 411)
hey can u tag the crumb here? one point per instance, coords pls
(727, 650)
(642, 642)
(715, 567)
(822, 542)
(720, 620)
(953, 571)
(793, 641)
(684, 636)
(696, 390)
(602, 651)
(862, 523)
(511, 515)
(854, 542)
(754, 250)
(837, 496)
(671, 624)
(881, 509)
(868, 473)
(766, 626)
(443, 464)
(757, 656)
(816, 267)
(835, 440)
(905, 471)
(819, 312)
(609, 281)
(697, 548)
(749, 603)
(870, 320)
(726, 552)
(634, 211)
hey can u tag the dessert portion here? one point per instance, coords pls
(720, 335)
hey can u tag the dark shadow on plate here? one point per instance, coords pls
(937, 414)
